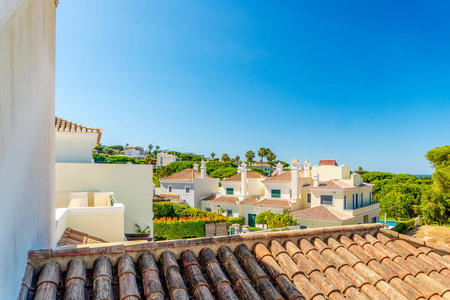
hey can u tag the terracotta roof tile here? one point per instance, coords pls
(285, 176)
(328, 162)
(222, 199)
(273, 203)
(354, 262)
(252, 200)
(184, 175)
(336, 184)
(167, 197)
(250, 174)
(69, 126)
(72, 237)
(321, 213)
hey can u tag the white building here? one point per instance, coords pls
(266, 167)
(190, 184)
(27, 144)
(92, 197)
(136, 154)
(164, 159)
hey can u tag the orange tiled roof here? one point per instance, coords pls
(162, 197)
(222, 199)
(261, 164)
(274, 203)
(73, 237)
(285, 176)
(328, 162)
(250, 174)
(184, 175)
(69, 126)
(252, 200)
(335, 184)
(354, 262)
(321, 213)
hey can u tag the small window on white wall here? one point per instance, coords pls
(303, 226)
(208, 209)
(308, 198)
(170, 189)
(187, 190)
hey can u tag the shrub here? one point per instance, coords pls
(240, 221)
(252, 229)
(163, 209)
(400, 227)
(173, 210)
(178, 229)
(262, 217)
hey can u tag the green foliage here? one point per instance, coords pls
(259, 170)
(173, 210)
(372, 176)
(250, 155)
(225, 157)
(280, 220)
(156, 181)
(109, 151)
(223, 173)
(400, 227)
(174, 230)
(240, 221)
(275, 162)
(101, 158)
(99, 148)
(263, 217)
(139, 230)
(439, 156)
(435, 207)
(271, 156)
(117, 147)
(186, 157)
(253, 229)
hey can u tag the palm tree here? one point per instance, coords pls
(237, 159)
(225, 157)
(126, 145)
(212, 155)
(250, 155)
(157, 148)
(150, 147)
(262, 152)
(271, 156)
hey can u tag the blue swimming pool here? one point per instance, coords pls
(390, 223)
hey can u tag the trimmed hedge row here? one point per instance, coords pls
(174, 230)
(168, 209)
(239, 220)
(404, 226)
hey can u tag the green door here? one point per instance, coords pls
(251, 220)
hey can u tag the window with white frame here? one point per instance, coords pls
(276, 193)
(187, 190)
(370, 196)
(308, 198)
(345, 201)
(326, 199)
(229, 213)
(170, 189)
(303, 226)
(230, 191)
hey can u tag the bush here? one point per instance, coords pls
(173, 210)
(163, 209)
(178, 229)
(252, 229)
(240, 221)
(223, 173)
(262, 217)
(400, 227)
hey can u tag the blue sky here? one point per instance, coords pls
(364, 82)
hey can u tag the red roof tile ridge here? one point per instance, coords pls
(66, 125)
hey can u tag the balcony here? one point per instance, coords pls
(359, 204)
(98, 214)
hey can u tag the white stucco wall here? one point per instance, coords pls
(74, 147)
(27, 101)
(180, 189)
(132, 186)
(204, 187)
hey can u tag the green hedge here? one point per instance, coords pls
(404, 226)
(239, 220)
(168, 209)
(252, 229)
(174, 230)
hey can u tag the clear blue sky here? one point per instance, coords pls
(364, 82)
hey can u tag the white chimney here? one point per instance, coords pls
(294, 178)
(243, 170)
(203, 170)
(195, 167)
(316, 180)
(306, 166)
(279, 168)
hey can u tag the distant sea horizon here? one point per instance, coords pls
(422, 175)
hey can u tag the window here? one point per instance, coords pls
(374, 219)
(187, 190)
(276, 193)
(230, 191)
(170, 189)
(303, 226)
(161, 161)
(326, 199)
(308, 198)
(229, 213)
(208, 209)
(290, 193)
(356, 200)
(370, 196)
(362, 199)
(345, 201)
